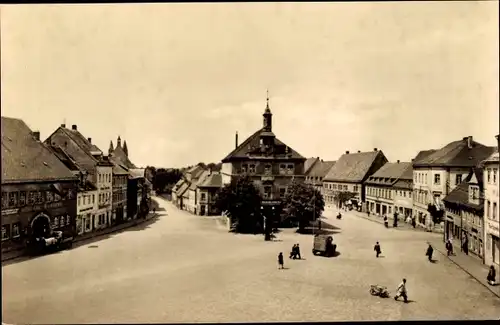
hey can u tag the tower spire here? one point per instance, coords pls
(267, 99)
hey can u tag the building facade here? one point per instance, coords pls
(38, 190)
(491, 182)
(207, 193)
(437, 172)
(349, 174)
(464, 208)
(317, 172)
(271, 164)
(119, 200)
(381, 191)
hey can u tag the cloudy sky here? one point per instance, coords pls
(176, 81)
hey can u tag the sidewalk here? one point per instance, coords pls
(470, 264)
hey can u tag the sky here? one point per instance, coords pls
(176, 81)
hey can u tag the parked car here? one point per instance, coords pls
(324, 245)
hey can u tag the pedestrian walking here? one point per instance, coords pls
(377, 249)
(281, 263)
(401, 291)
(395, 223)
(297, 251)
(491, 276)
(465, 245)
(386, 221)
(429, 252)
(448, 247)
(413, 222)
(368, 212)
(293, 253)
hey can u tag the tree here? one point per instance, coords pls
(304, 203)
(241, 201)
(165, 179)
(344, 196)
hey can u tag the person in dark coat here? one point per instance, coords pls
(448, 247)
(377, 249)
(395, 223)
(465, 246)
(297, 251)
(491, 276)
(413, 222)
(429, 252)
(281, 263)
(386, 222)
(293, 253)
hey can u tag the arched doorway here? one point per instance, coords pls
(40, 226)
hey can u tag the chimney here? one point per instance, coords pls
(469, 141)
(73, 127)
(236, 139)
(90, 140)
(413, 159)
(347, 152)
(36, 135)
(375, 149)
(63, 125)
(359, 151)
(398, 161)
(498, 141)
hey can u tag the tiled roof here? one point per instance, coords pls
(177, 185)
(309, 163)
(198, 178)
(213, 180)
(118, 170)
(422, 154)
(25, 159)
(352, 167)
(88, 186)
(120, 155)
(493, 158)
(403, 184)
(460, 195)
(253, 142)
(183, 189)
(65, 158)
(320, 169)
(456, 154)
(136, 173)
(389, 173)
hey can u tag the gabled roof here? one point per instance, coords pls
(253, 142)
(309, 163)
(320, 168)
(177, 185)
(460, 194)
(456, 154)
(65, 158)
(118, 170)
(120, 155)
(493, 158)
(24, 159)
(352, 167)
(136, 173)
(183, 189)
(389, 174)
(200, 176)
(422, 154)
(213, 180)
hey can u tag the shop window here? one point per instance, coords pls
(16, 230)
(251, 168)
(49, 196)
(5, 232)
(56, 222)
(22, 198)
(68, 220)
(282, 192)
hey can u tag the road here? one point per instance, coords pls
(185, 268)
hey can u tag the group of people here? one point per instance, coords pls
(294, 254)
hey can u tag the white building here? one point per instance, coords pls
(491, 210)
(381, 191)
(437, 172)
(104, 181)
(86, 208)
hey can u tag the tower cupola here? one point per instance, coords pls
(268, 116)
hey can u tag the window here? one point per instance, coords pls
(244, 168)
(12, 199)
(79, 200)
(68, 219)
(458, 179)
(437, 179)
(31, 198)
(39, 197)
(355, 188)
(345, 187)
(87, 223)
(56, 222)
(5, 200)
(49, 196)
(494, 210)
(5, 232)
(203, 196)
(251, 168)
(22, 198)
(415, 178)
(268, 169)
(16, 230)
(289, 169)
(488, 206)
(282, 192)
(494, 175)
(93, 198)
(489, 175)
(100, 178)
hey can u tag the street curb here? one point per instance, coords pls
(80, 239)
(490, 288)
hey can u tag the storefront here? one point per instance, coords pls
(492, 247)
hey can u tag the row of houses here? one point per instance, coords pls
(453, 189)
(64, 184)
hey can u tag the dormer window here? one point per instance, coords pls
(244, 168)
(268, 169)
(458, 179)
(251, 168)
